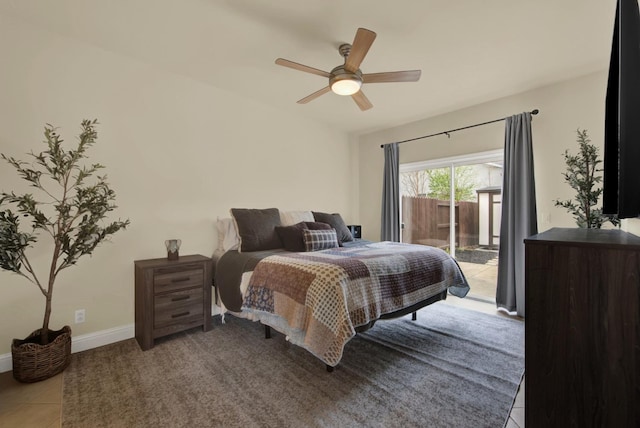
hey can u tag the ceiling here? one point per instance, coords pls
(469, 51)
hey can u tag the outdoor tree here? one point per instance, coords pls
(414, 183)
(583, 177)
(440, 183)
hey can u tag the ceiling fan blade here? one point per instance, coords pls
(359, 48)
(286, 63)
(392, 76)
(362, 101)
(315, 95)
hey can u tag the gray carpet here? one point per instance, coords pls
(451, 368)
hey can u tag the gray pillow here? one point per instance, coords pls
(313, 225)
(291, 236)
(257, 228)
(336, 222)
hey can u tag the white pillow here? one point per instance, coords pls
(228, 238)
(289, 218)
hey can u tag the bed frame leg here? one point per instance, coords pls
(414, 316)
(329, 368)
(267, 332)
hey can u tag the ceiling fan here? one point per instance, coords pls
(347, 79)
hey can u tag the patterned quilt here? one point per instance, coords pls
(318, 299)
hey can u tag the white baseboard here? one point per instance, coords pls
(5, 363)
(101, 338)
(84, 342)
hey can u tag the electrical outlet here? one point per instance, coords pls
(79, 316)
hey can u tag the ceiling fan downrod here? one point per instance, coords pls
(345, 50)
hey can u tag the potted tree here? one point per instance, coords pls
(70, 211)
(583, 177)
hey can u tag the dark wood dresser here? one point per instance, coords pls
(171, 296)
(582, 324)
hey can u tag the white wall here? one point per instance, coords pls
(564, 107)
(178, 154)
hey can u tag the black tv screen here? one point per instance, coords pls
(621, 185)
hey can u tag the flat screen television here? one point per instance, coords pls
(621, 184)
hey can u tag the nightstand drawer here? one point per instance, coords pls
(178, 298)
(177, 315)
(177, 279)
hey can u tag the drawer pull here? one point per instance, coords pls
(181, 314)
(181, 279)
(177, 299)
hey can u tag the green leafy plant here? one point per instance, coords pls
(71, 213)
(583, 176)
(440, 183)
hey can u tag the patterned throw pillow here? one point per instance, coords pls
(316, 240)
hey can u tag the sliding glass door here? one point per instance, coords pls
(454, 204)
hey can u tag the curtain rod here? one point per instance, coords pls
(533, 112)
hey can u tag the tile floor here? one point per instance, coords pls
(482, 279)
(30, 405)
(39, 405)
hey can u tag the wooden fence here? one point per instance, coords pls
(426, 221)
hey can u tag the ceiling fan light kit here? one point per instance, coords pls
(343, 82)
(347, 79)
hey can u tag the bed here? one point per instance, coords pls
(323, 296)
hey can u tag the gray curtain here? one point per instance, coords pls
(390, 230)
(519, 219)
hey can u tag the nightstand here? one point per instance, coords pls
(171, 296)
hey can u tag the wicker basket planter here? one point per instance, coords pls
(33, 362)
